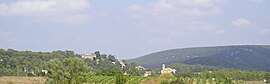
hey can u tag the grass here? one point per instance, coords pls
(170, 78)
(41, 80)
(22, 80)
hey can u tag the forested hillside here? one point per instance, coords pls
(246, 57)
(28, 63)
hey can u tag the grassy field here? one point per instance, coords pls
(22, 80)
(41, 80)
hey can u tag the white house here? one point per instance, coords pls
(89, 56)
(147, 73)
(139, 67)
(44, 71)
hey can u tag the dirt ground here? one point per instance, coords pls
(22, 80)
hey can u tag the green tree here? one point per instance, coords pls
(98, 55)
(67, 71)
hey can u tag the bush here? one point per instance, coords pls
(120, 79)
(164, 82)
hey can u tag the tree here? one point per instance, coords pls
(111, 58)
(98, 54)
(67, 71)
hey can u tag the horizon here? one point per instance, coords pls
(152, 51)
(133, 28)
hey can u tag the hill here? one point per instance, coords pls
(245, 57)
(28, 63)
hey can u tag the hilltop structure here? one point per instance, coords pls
(167, 70)
(139, 68)
(122, 63)
(89, 56)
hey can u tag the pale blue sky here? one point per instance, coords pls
(131, 28)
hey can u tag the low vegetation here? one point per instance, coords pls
(22, 80)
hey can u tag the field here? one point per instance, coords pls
(104, 80)
(111, 79)
(22, 80)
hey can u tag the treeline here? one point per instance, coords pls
(209, 72)
(28, 63)
(236, 75)
(23, 63)
(187, 70)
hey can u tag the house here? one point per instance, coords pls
(113, 62)
(89, 56)
(125, 73)
(122, 63)
(264, 80)
(44, 71)
(147, 73)
(139, 67)
(29, 70)
(167, 70)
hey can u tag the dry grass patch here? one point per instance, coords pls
(22, 80)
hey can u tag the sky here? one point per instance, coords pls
(131, 28)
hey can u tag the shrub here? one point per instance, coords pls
(120, 79)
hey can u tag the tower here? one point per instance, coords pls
(163, 66)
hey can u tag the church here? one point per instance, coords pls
(167, 70)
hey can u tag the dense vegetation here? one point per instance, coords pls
(208, 72)
(62, 66)
(23, 63)
(245, 57)
(226, 77)
(28, 63)
(68, 71)
(66, 67)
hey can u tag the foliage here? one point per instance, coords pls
(23, 63)
(164, 82)
(67, 71)
(120, 79)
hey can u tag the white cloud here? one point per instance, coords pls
(177, 18)
(256, 1)
(44, 9)
(178, 8)
(240, 22)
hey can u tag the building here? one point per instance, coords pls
(44, 71)
(122, 63)
(167, 70)
(147, 73)
(139, 67)
(89, 56)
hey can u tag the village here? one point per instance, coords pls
(146, 72)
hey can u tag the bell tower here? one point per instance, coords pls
(163, 66)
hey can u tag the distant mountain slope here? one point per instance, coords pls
(247, 57)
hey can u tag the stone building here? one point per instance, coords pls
(89, 56)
